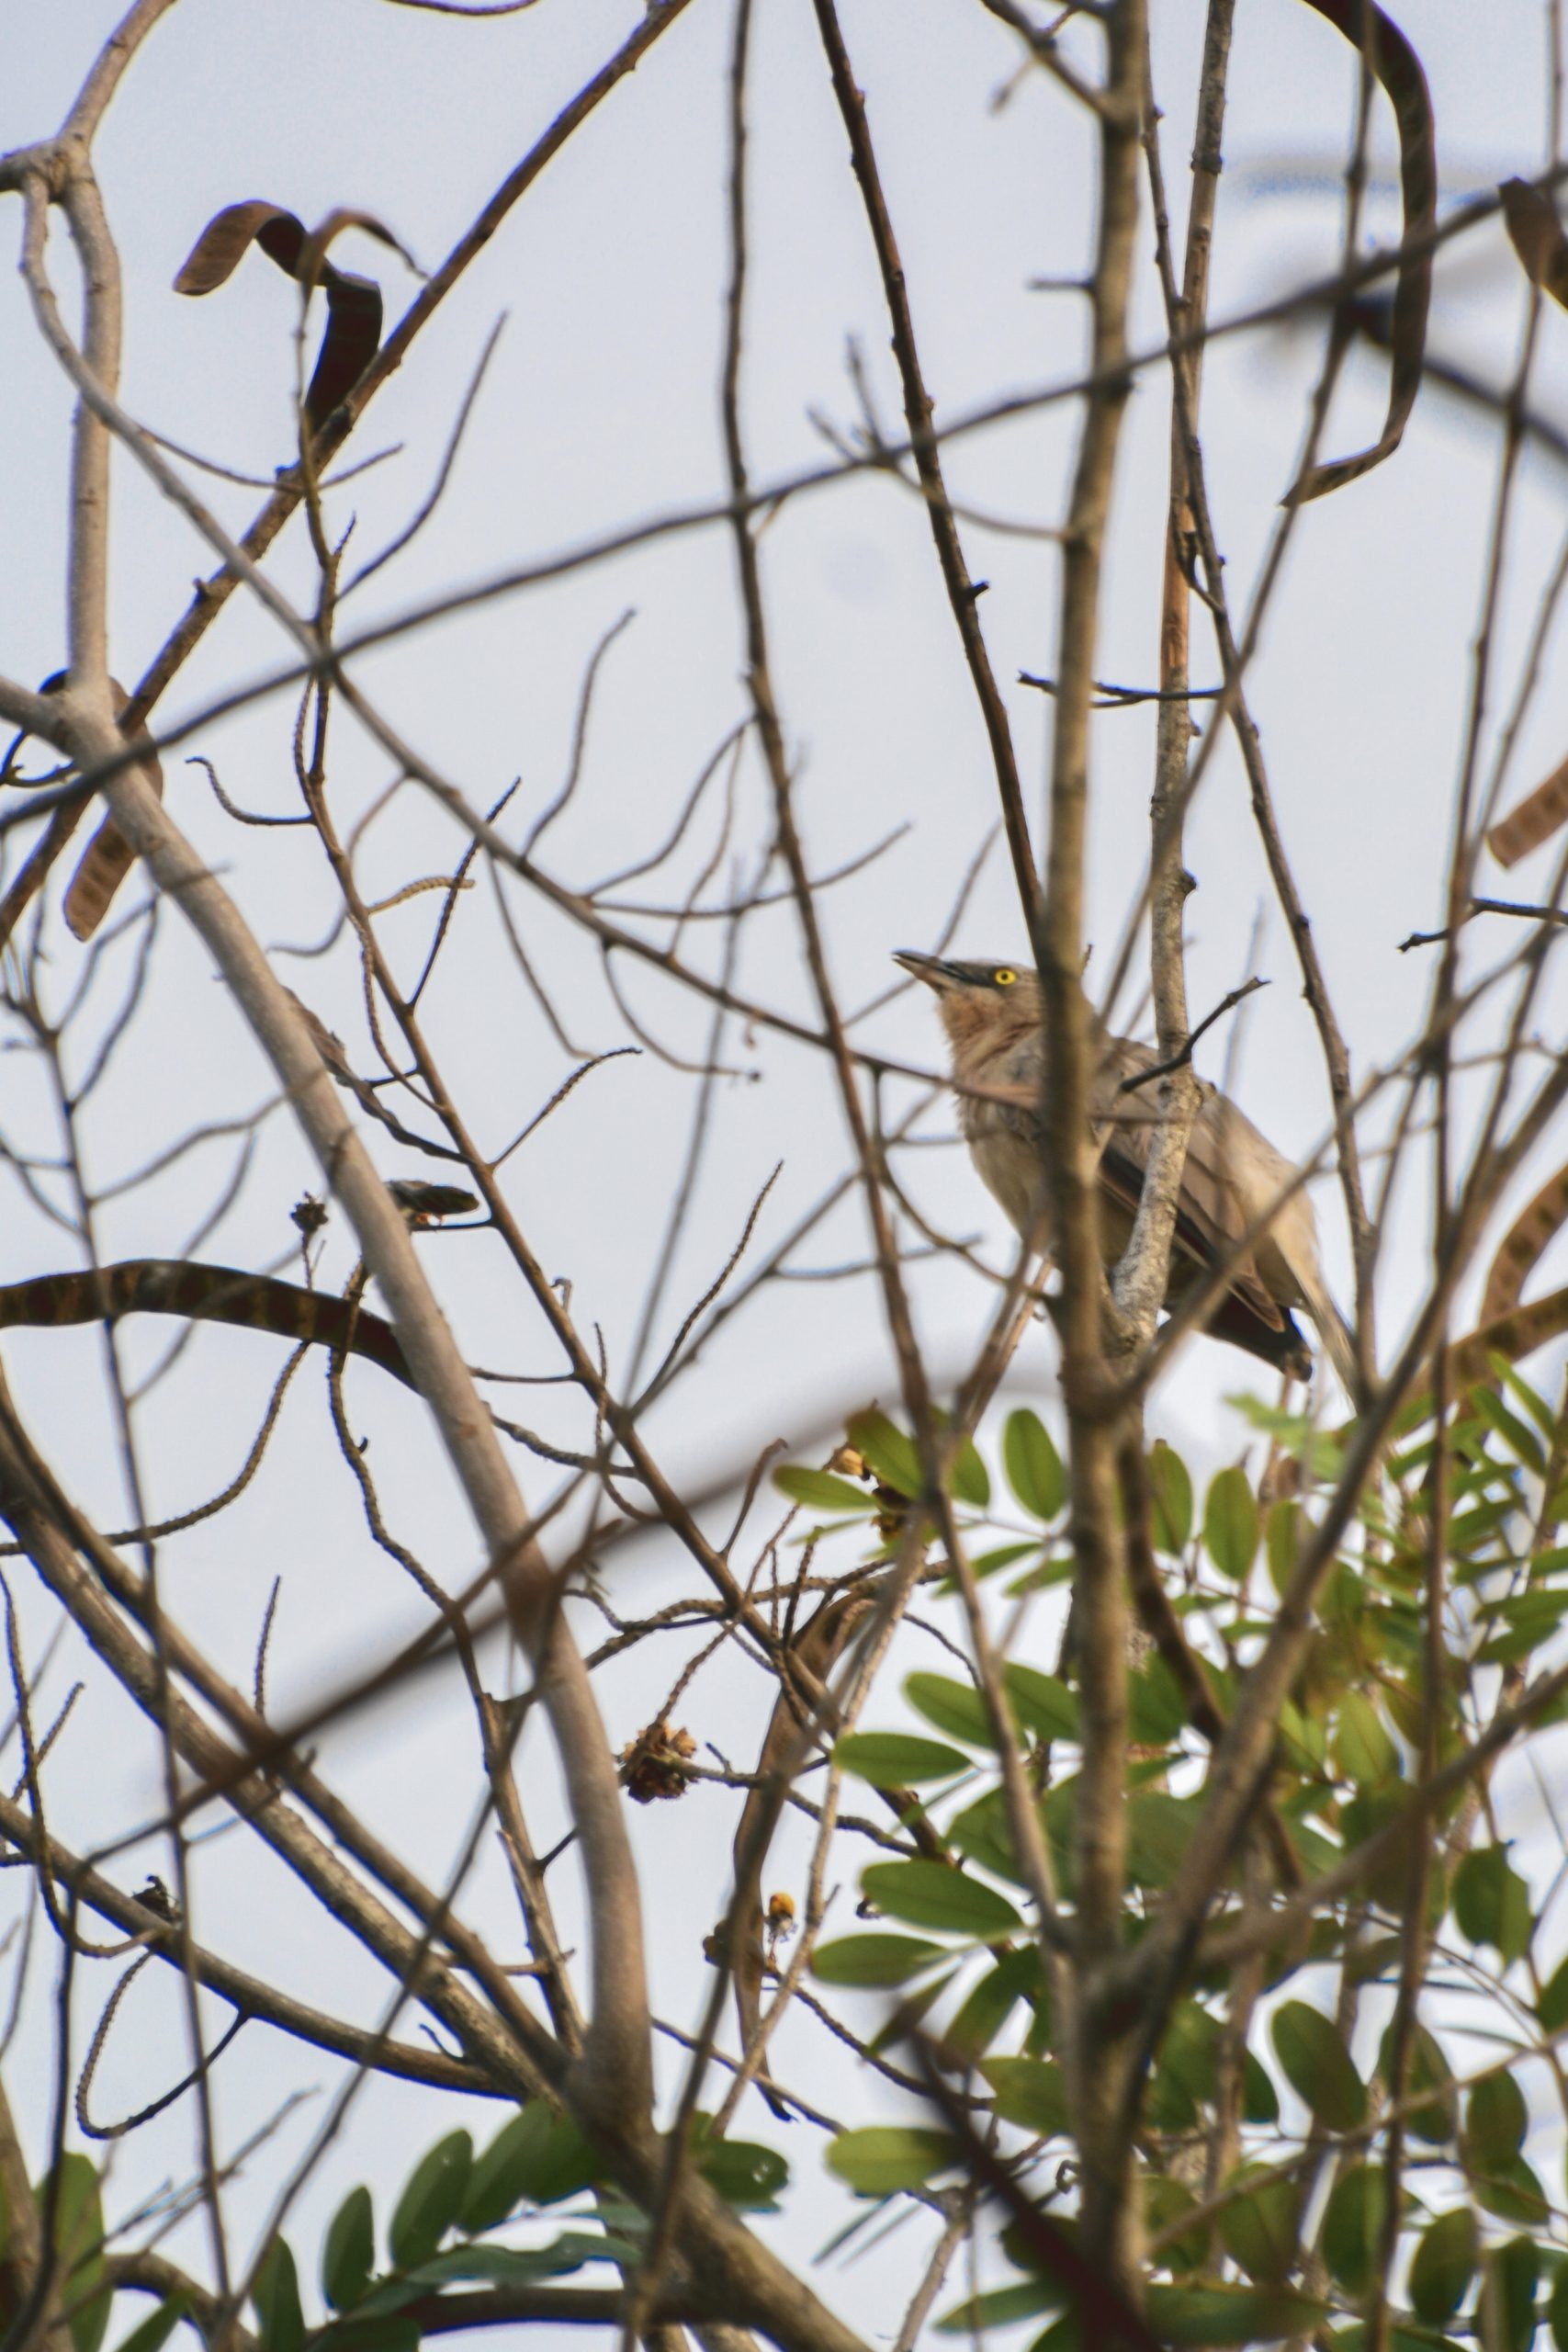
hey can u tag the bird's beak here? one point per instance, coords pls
(929, 968)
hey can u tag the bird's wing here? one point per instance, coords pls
(1209, 1216)
(1199, 1237)
(1215, 1208)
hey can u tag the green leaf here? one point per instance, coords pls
(988, 2007)
(1042, 1703)
(969, 1478)
(1171, 1489)
(1492, 1902)
(1522, 1443)
(1230, 1524)
(952, 1706)
(1513, 2192)
(745, 2172)
(1159, 1831)
(1025, 2299)
(1282, 1535)
(889, 2156)
(905, 2015)
(987, 1563)
(1318, 2067)
(890, 1760)
(1187, 2073)
(79, 2241)
(1363, 1747)
(1060, 1568)
(1259, 2100)
(1533, 1402)
(349, 2250)
(933, 1894)
(1444, 2265)
(1353, 2227)
(819, 1490)
(1033, 1467)
(1403, 2336)
(564, 2161)
(1030, 2093)
(1529, 1618)
(1259, 2230)
(1553, 2006)
(1165, 2202)
(506, 2265)
(158, 2326)
(1557, 2309)
(1367, 1814)
(432, 2200)
(874, 1960)
(888, 1450)
(1231, 2315)
(981, 1832)
(1305, 1747)
(1496, 2118)
(1157, 1710)
(1428, 2071)
(275, 2294)
(1505, 2312)
(522, 2156)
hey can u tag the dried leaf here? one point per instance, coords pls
(1535, 234)
(1535, 820)
(312, 265)
(354, 304)
(109, 856)
(228, 237)
(1522, 1246)
(203, 1293)
(1398, 70)
(1513, 1336)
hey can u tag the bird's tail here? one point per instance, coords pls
(1335, 1332)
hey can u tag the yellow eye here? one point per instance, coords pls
(1005, 977)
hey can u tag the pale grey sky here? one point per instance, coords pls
(601, 409)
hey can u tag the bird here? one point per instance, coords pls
(994, 1016)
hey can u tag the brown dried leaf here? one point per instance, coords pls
(1514, 1336)
(1398, 70)
(228, 237)
(109, 856)
(1537, 235)
(1522, 1246)
(1535, 820)
(420, 1201)
(350, 343)
(204, 1294)
(312, 263)
(354, 304)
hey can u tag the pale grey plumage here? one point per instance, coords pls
(1234, 1180)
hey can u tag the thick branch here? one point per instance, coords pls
(250, 1995)
(617, 2056)
(1109, 2222)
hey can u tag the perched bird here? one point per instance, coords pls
(994, 1015)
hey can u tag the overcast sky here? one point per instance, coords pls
(599, 411)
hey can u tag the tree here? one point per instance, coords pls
(1204, 1987)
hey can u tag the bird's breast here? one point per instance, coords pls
(1009, 1167)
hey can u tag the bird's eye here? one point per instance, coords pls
(1005, 977)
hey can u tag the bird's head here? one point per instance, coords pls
(978, 1001)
